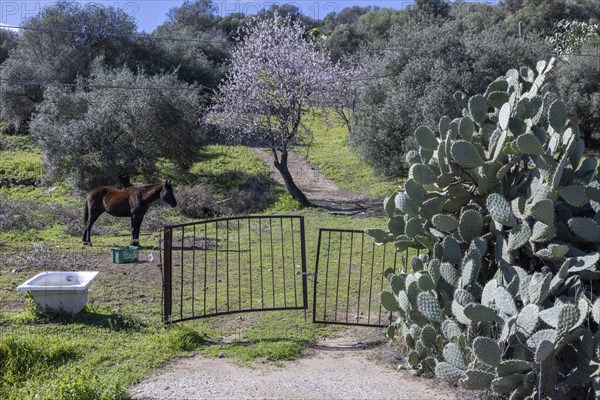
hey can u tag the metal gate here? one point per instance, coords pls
(258, 263)
(349, 278)
(232, 265)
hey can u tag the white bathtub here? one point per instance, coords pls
(60, 291)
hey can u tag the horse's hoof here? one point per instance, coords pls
(87, 243)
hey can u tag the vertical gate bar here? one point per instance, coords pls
(262, 292)
(205, 287)
(327, 276)
(250, 263)
(167, 273)
(381, 288)
(362, 253)
(316, 277)
(371, 280)
(337, 286)
(239, 266)
(349, 275)
(181, 292)
(294, 262)
(395, 260)
(405, 266)
(216, 266)
(227, 261)
(194, 271)
(272, 261)
(303, 256)
(283, 263)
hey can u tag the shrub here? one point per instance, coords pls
(196, 201)
(429, 60)
(509, 212)
(253, 195)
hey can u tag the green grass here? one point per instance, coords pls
(20, 164)
(215, 159)
(120, 338)
(330, 154)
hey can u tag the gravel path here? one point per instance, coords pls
(324, 374)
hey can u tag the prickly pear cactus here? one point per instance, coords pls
(508, 212)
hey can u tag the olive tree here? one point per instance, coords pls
(60, 44)
(117, 125)
(274, 78)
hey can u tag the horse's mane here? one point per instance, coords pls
(146, 185)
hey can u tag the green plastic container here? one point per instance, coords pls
(126, 254)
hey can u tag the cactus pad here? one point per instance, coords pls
(470, 225)
(425, 282)
(567, 318)
(504, 301)
(415, 191)
(476, 380)
(448, 372)
(537, 338)
(542, 233)
(518, 236)
(406, 205)
(465, 154)
(585, 229)
(428, 336)
(575, 195)
(539, 287)
(507, 384)
(557, 115)
(479, 313)
(510, 367)
(487, 351)
(428, 305)
(426, 138)
(452, 252)
(544, 349)
(379, 236)
(529, 144)
(454, 356)
(422, 174)
(500, 210)
(528, 318)
(478, 108)
(389, 302)
(444, 222)
(450, 329)
(543, 211)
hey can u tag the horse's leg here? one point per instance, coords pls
(92, 217)
(136, 223)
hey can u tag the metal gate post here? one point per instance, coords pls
(167, 273)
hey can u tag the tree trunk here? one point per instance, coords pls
(290, 185)
(125, 180)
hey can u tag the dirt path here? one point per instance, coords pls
(327, 372)
(321, 191)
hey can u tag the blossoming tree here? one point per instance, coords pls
(275, 77)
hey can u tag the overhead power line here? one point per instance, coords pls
(119, 35)
(32, 82)
(220, 42)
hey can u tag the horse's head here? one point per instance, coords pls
(166, 194)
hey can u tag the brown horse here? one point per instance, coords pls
(130, 202)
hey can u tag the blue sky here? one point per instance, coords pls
(151, 13)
